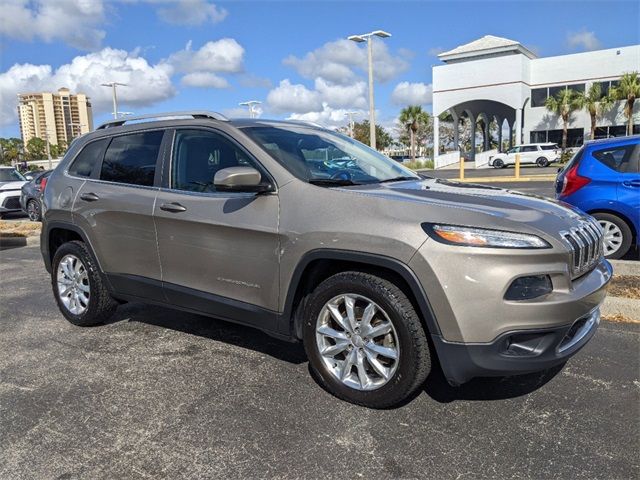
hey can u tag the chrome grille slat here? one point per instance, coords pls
(585, 244)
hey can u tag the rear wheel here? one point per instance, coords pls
(364, 340)
(498, 163)
(78, 286)
(617, 235)
(542, 162)
(33, 211)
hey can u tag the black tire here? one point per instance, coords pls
(101, 306)
(34, 211)
(542, 162)
(627, 235)
(498, 163)
(414, 363)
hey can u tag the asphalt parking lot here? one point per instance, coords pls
(157, 393)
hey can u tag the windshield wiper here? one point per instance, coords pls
(332, 182)
(398, 179)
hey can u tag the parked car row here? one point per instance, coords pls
(22, 193)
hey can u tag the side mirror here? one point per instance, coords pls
(239, 179)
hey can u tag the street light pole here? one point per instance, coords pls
(351, 125)
(368, 37)
(114, 95)
(251, 105)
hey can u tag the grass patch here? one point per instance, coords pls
(626, 286)
(19, 229)
(619, 318)
(419, 165)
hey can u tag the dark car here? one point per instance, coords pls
(30, 197)
(603, 180)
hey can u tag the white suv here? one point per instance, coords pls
(11, 181)
(542, 154)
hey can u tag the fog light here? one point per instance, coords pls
(526, 288)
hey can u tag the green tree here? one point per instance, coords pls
(58, 150)
(361, 133)
(595, 103)
(564, 103)
(10, 150)
(414, 119)
(36, 148)
(628, 90)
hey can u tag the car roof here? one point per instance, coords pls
(605, 141)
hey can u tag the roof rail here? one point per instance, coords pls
(118, 122)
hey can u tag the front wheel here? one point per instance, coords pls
(78, 286)
(542, 162)
(617, 235)
(364, 340)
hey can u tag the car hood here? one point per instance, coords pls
(479, 205)
(12, 185)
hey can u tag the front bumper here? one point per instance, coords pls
(10, 203)
(517, 352)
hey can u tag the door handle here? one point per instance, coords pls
(172, 207)
(632, 183)
(89, 197)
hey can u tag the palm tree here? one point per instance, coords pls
(563, 104)
(413, 117)
(628, 90)
(594, 103)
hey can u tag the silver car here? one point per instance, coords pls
(376, 269)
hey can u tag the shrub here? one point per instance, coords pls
(419, 164)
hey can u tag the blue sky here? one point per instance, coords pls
(188, 54)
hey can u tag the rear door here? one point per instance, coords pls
(528, 153)
(629, 186)
(217, 249)
(115, 208)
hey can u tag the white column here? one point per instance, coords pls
(518, 127)
(436, 136)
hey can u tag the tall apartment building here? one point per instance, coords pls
(61, 116)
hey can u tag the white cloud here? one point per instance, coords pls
(191, 12)
(328, 116)
(204, 80)
(583, 40)
(221, 56)
(297, 98)
(352, 96)
(407, 93)
(336, 61)
(75, 22)
(146, 83)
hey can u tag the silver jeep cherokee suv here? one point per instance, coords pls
(309, 235)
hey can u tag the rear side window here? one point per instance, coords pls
(89, 156)
(548, 147)
(132, 158)
(623, 158)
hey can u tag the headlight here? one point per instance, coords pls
(480, 237)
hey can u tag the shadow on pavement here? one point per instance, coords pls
(211, 328)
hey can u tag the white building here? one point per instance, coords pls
(496, 78)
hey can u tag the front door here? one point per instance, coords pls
(219, 251)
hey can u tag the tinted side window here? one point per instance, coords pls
(88, 157)
(549, 147)
(132, 158)
(198, 155)
(529, 148)
(621, 159)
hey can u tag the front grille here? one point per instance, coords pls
(585, 244)
(12, 203)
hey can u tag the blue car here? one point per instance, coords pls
(603, 179)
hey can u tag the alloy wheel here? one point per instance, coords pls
(32, 211)
(357, 342)
(612, 237)
(73, 284)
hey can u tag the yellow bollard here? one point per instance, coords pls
(461, 168)
(517, 165)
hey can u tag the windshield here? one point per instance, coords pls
(326, 158)
(11, 175)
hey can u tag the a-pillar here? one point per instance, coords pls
(518, 127)
(436, 136)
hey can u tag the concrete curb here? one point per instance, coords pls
(13, 242)
(626, 267)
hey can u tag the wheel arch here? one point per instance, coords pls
(319, 265)
(54, 234)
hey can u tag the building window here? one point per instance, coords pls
(575, 137)
(538, 97)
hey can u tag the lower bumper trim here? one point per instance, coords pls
(516, 352)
